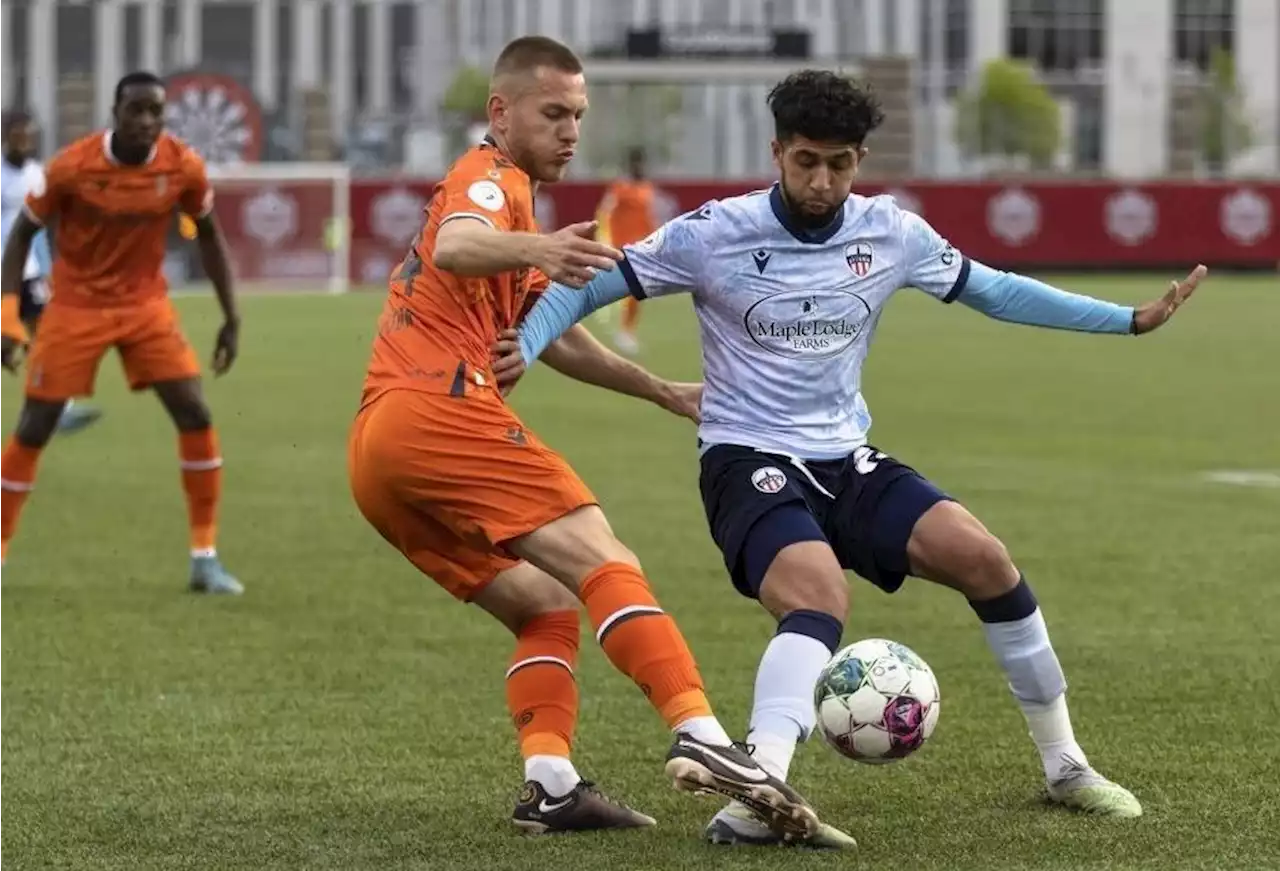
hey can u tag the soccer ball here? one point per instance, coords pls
(877, 701)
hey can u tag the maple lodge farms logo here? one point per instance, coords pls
(807, 324)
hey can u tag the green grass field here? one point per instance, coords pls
(346, 714)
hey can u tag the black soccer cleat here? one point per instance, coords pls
(584, 809)
(697, 767)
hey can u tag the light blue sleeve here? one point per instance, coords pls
(561, 307)
(1007, 296)
(44, 256)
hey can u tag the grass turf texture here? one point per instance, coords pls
(346, 714)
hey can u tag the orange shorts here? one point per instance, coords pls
(71, 341)
(448, 480)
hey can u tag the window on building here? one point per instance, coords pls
(1200, 28)
(1057, 35)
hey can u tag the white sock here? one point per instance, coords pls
(773, 752)
(1051, 730)
(1024, 651)
(782, 714)
(555, 774)
(204, 552)
(705, 729)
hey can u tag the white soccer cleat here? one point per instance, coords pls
(1087, 791)
(735, 825)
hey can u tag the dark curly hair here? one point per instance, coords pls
(823, 106)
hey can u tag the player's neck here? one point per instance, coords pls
(494, 141)
(129, 155)
(14, 160)
(805, 222)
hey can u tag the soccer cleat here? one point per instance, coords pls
(76, 417)
(584, 809)
(736, 825)
(1087, 791)
(697, 767)
(208, 576)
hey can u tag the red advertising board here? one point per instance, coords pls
(279, 233)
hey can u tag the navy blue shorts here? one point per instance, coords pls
(866, 506)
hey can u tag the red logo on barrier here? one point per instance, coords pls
(215, 115)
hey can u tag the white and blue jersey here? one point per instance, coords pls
(787, 315)
(15, 183)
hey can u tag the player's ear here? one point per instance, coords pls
(775, 147)
(497, 109)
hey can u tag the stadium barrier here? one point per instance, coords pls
(330, 229)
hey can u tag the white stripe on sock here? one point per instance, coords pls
(553, 660)
(201, 465)
(16, 486)
(623, 612)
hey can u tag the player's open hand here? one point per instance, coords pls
(683, 399)
(572, 256)
(1154, 314)
(226, 348)
(508, 362)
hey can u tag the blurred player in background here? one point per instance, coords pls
(446, 472)
(21, 174)
(788, 285)
(111, 198)
(628, 215)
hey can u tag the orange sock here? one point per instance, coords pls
(542, 694)
(202, 482)
(630, 314)
(643, 642)
(17, 478)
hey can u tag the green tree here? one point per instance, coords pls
(625, 116)
(1009, 114)
(1225, 130)
(464, 103)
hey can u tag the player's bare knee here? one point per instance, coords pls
(184, 401)
(523, 593)
(574, 546)
(38, 422)
(805, 576)
(951, 547)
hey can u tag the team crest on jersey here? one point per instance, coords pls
(859, 256)
(768, 479)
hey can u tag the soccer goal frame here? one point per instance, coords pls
(337, 233)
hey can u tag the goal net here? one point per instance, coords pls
(287, 227)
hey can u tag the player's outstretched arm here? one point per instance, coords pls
(571, 256)
(561, 307)
(1014, 298)
(214, 261)
(580, 356)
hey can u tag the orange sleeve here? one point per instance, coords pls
(197, 194)
(478, 192)
(45, 200)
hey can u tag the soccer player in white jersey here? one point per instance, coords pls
(20, 173)
(788, 285)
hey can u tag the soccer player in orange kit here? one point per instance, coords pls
(111, 197)
(447, 473)
(629, 210)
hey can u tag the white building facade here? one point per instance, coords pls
(385, 64)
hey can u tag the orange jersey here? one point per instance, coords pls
(630, 211)
(111, 220)
(437, 329)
